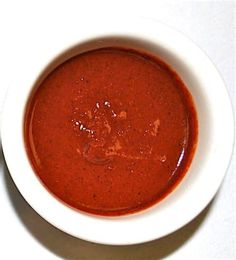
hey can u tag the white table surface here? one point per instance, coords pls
(25, 235)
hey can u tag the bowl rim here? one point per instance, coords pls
(121, 230)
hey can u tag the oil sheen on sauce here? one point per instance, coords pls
(111, 131)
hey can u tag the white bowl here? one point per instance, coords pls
(216, 134)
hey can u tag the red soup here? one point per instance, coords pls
(111, 131)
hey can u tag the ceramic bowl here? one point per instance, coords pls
(212, 156)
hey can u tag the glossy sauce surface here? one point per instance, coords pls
(111, 131)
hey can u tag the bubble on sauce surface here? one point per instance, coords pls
(162, 158)
(107, 103)
(110, 167)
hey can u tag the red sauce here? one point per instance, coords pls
(111, 131)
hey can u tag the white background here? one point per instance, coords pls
(210, 24)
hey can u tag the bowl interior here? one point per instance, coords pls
(182, 69)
